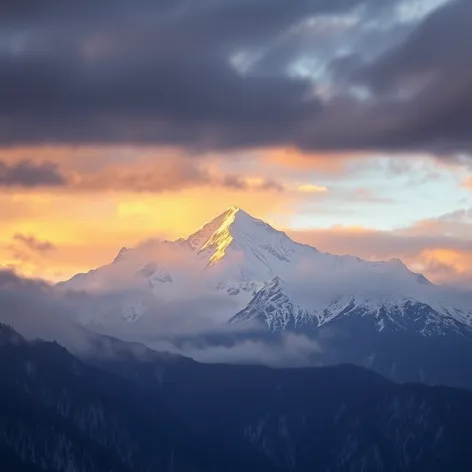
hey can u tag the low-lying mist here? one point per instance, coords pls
(38, 310)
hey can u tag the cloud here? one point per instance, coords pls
(28, 251)
(29, 174)
(254, 183)
(164, 177)
(468, 183)
(421, 89)
(34, 244)
(441, 248)
(169, 174)
(230, 74)
(33, 309)
(180, 90)
(323, 163)
(38, 310)
(286, 350)
(310, 188)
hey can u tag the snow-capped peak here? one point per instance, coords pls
(120, 255)
(244, 248)
(220, 240)
(198, 239)
(235, 248)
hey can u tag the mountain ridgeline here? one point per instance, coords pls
(168, 413)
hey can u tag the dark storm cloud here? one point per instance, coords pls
(29, 174)
(420, 92)
(266, 13)
(431, 68)
(164, 72)
(430, 50)
(145, 74)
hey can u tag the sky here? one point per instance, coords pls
(346, 123)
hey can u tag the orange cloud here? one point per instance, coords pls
(468, 183)
(331, 163)
(442, 258)
(457, 261)
(79, 158)
(310, 188)
(129, 169)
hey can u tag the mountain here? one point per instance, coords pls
(239, 270)
(232, 252)
(58, 413)
(234, 255)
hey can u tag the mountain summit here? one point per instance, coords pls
(220, 232)
(247, 248)
(199, 239)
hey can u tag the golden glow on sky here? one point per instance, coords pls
(114, 197)
(88, 229)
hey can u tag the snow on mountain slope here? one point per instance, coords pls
(281, 307)
(234, 248)
(277, 309)
(260, 273)
(243, 249)
(249, 248)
